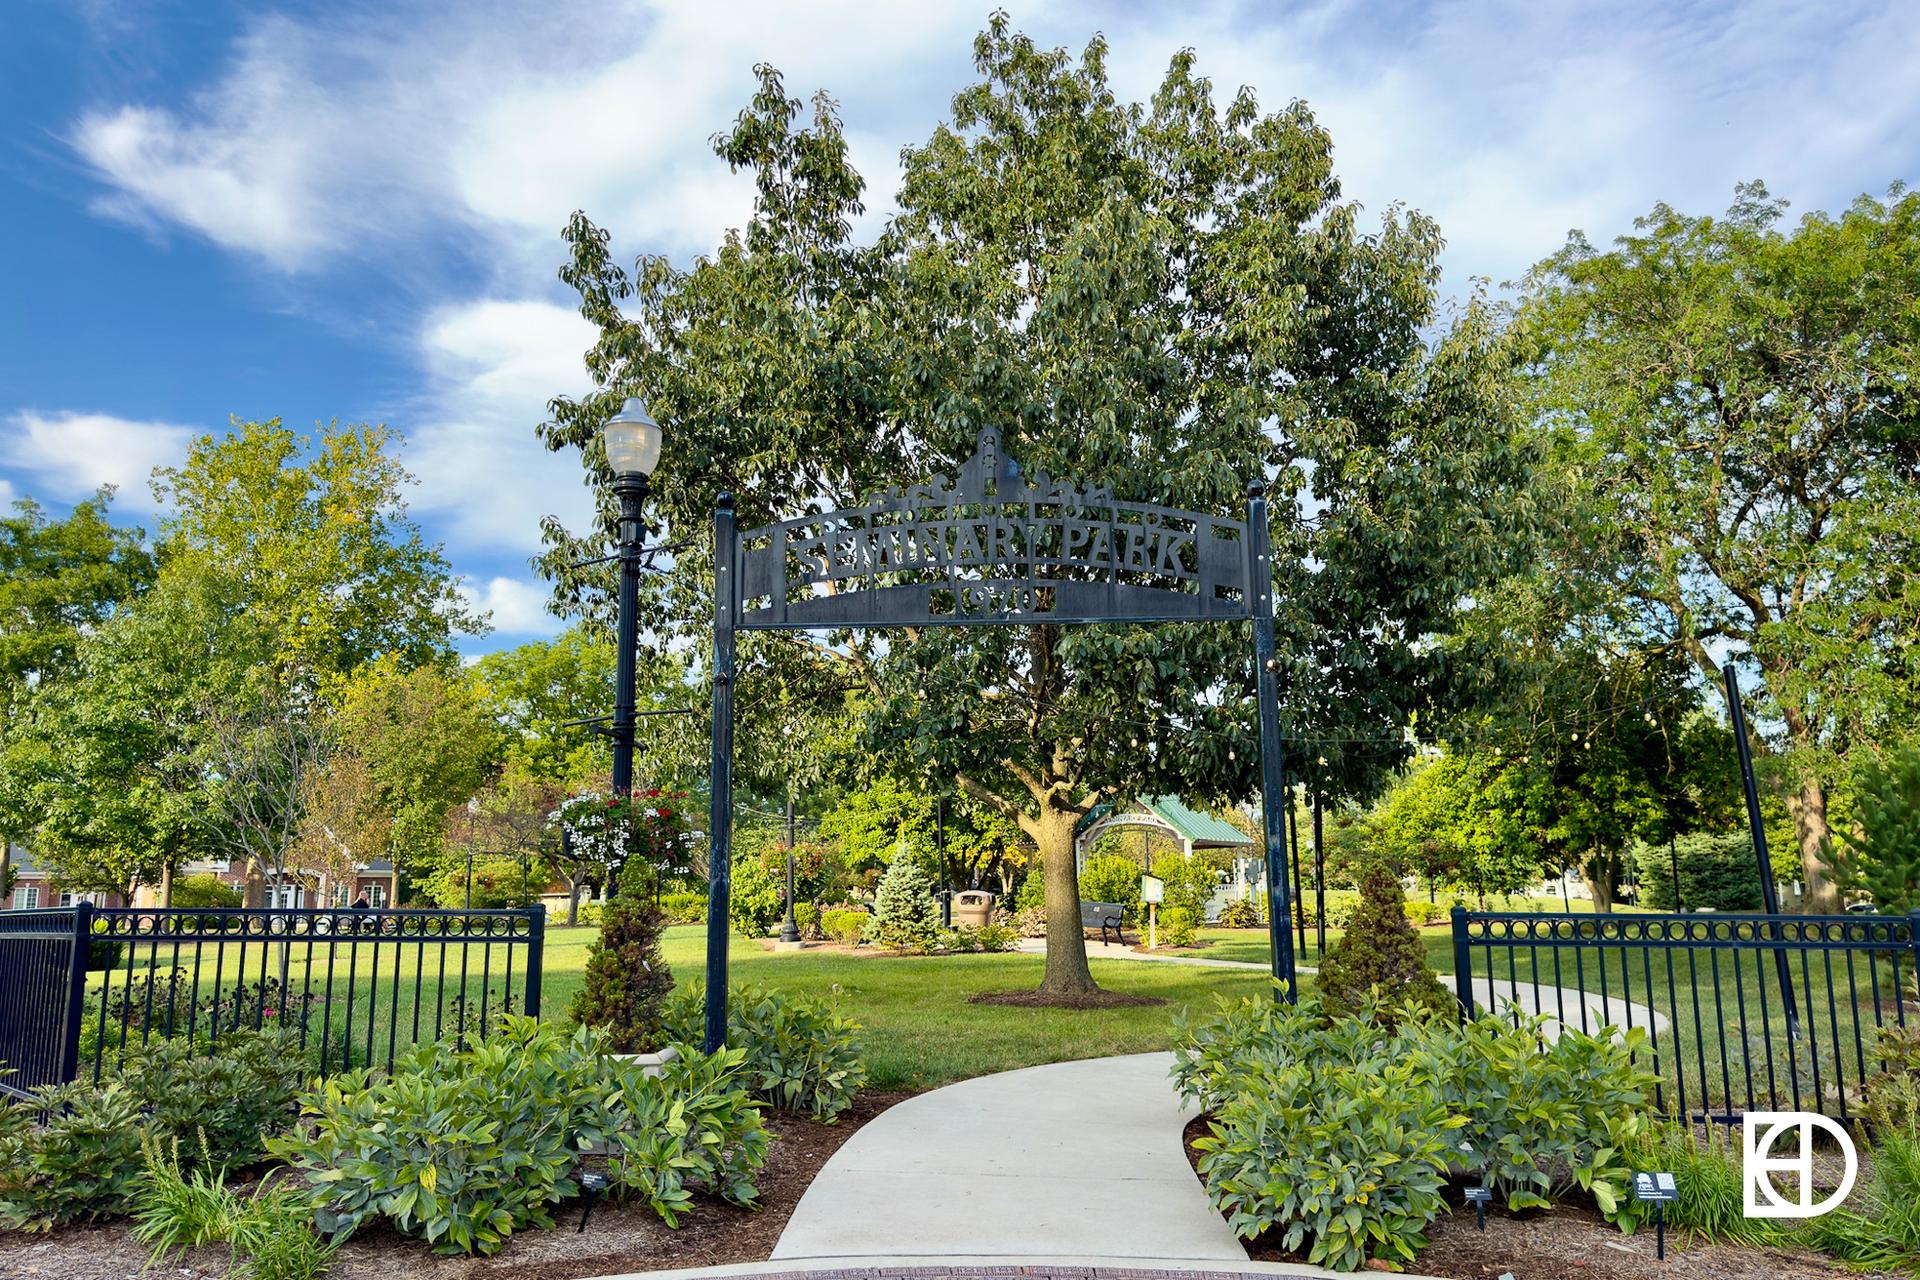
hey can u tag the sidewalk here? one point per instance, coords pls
(1073, 1159)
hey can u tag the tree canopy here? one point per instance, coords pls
(1170, 297)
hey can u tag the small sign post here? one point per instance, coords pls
(1658, 1190)
(1480, 1198)
(1152, 890)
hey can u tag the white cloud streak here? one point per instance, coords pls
(517, 607)
(69, 454)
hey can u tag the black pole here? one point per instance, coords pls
(1673, 860)
(1273, 788)
(630, 489)
(1768, 891)
(469, 902)
(940, 852)
(720, 811)
(1319, 880)
(789, 930)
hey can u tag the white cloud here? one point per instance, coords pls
(491, 367)
(72, 454)
(518, 607)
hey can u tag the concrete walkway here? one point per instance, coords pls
(992, 1266)
(1558, 1003)
(1070, 1160)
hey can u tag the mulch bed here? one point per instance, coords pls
(1571, 1242)
(1101, 999)
(618, 1238)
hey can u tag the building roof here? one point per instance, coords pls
(1201, 830)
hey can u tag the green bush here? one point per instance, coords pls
(226, 1103)
(1893, 1090)
(1178, 927)
(757, 899)
(1879, 1225)
(844, 925)
(82, 1164)
(986, 937)
(1379, 949)
(1547, 1112)
(801, 1055)
(1239, 914)
(684, 908)
(1108, 877)
(627, 976)
(806, 918)
(1332, 1131)
(1339, 1127)
(905, 915)
(1032, 893)
(462, 1146)
(204, 891)
(1189, 882)
(1716, 871)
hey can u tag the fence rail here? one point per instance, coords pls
(1742, 1012)
(79, 987)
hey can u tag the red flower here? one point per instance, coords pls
(666, 813)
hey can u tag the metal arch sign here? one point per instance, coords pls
(991, 545)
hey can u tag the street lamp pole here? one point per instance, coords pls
(632, 440)
(789, 928)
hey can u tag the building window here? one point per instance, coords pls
(26, 897)
(285, 897)
(377, 894)
(342, 895)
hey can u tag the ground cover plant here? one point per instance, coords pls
(801, 1054)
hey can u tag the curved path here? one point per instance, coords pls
(1073, 1159)
(1559, 1003)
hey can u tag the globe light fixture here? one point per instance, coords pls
(632, 440)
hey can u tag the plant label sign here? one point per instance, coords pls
(1479, 1195)
(1655, 1188)
(1152, 889)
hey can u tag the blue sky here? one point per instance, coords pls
(345, 210)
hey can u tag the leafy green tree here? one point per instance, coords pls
(1882, 856)
(1171, 297)
(874, 823)
(1733, 409)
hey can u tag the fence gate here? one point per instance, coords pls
(43, 971)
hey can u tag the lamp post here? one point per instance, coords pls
(632, 440)
(789, 928)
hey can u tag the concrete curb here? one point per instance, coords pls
(993, 1267)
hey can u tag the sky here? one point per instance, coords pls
(352, 211)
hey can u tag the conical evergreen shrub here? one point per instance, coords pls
(1379, 949)
(627, 978)
(906, 916)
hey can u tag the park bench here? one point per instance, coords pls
(1102, 916)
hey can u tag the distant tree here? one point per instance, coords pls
(1733, 411)
(874, 823)
(1881, 856)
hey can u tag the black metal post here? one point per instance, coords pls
(1319, 880)
(1673, 860)
(789, 929)
(468, 904)
(630, 491)
(720, 811)
(536, 948)
(1462, 963)
(940, 851)
(1273, 788)
(1769, 892)
(77, 991)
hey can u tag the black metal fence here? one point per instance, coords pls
(80, 986)
(1742, 1012)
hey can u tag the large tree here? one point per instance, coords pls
(1735, 407)
(1170, 300)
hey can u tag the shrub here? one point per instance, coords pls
(905, 915)
(270, 1233)
(985, 937)
(464, 1146)
(806, 917)
(1333, 1131)
(1893, 1090)
(1380, 949)
(756, 900)
(1239, 914)
(80, 1165)
(627, 977)
(844, 924)
(1108, 877)
(1715, 871)
(1031, 922)
(1178, 927)
(801, 1055)
(1547, 1112)
(684, 908)
(1189, 882)
(588, 915)
(225, 1103)
(1032, 893)
(204, 891)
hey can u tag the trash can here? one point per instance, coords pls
(972, 907)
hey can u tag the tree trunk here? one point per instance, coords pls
(1808, 805)
(254, 891)
(166, 885)
(573, 900)
(1598, 872)
(1067, 972)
